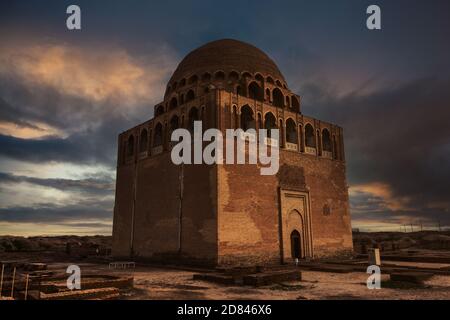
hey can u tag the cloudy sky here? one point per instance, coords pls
(65, 96)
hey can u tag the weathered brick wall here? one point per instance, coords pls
(325, 179)
(248, 222)
(122, 211)
(157, 201)
(248, 216)
(156, 227)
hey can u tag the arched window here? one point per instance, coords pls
(295, 104)
(302, 146)
(326, 140)
(193, 116)
(193, 79)
(278, 98)
(143, 141)
(173, 103)
(174, 85)
(130, 146)
(158, 135)
(190, 95)
(206, 77)
(319, 143)
(291, 131)
(278, 83)
(335, 155)
(247, 119)
(159, 110)
(296, 247)
(269, 122)
(174, 123)
(233, 76)
(255, 92)
(281, 128)
(269, 80)
(246, 75)
(267, 95)
(219, 75)
(259, 77)
(310, 140)
(260, 123)
(182, 83)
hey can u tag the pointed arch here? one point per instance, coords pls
(143, 141)
(255, 91)
(158, 135)
(278, 98)
(291, 131)
(190, 95)
(193, 116)
(326, 141)
(159, 110)
(130, 146)
(219, 75)
(247, 119)
(295, 104)
(310, 139)
(173, 103)
(269, 123)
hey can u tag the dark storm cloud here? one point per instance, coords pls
(367, 208)
(91, 185)
(96, 143)
(50, 213)
(22, 103)
(398, 136)
(76, 149)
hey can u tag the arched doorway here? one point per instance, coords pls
(296, 251)
(296, 236)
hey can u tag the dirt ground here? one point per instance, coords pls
(154, 283)
(168, 283)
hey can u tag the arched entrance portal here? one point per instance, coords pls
(295, 234)
(296, 245)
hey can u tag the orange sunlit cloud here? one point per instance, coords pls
(384, 192)
(95, 74)
(40, 130)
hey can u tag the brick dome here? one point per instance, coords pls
(226, 55)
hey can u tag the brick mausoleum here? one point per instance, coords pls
(231, 214)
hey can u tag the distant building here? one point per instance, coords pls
(230, 214)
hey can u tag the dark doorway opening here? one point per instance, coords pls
(295, 244)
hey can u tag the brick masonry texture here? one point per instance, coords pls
(230, 214)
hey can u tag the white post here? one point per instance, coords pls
(26, 286)
(13, 279)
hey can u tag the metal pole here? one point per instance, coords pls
(26, 286)
(13, 279)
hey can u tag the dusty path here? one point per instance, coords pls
(177, 284)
